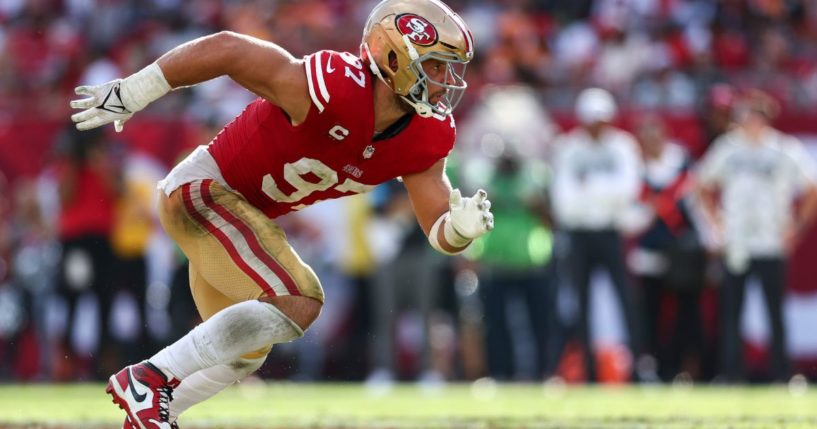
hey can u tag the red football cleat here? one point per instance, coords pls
(144, 392)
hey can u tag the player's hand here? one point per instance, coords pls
(117, 100)
(470, 217)
(103, 105)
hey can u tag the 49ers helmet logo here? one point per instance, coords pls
(417, 28)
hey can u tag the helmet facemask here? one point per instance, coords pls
(453, 84)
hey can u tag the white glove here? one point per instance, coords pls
(468, 218)
(116, 101)
(103, 106)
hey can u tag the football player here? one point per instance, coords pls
(328, 125)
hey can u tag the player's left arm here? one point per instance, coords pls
(450, 220)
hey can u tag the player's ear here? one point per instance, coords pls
(394, 65)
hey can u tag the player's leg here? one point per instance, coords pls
(245, 257)
(206, 383)
(230, 329)
(612, 258)
(580, 263)
(384, 302)
(731, 301)
(772, 273)
(214, 354)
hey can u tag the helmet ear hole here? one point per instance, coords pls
(393, 64)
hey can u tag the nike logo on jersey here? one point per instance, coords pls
(113, 102)
(329, 68)
(140, 397)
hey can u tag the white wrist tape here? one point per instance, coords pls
(143, 87)
(451, 236)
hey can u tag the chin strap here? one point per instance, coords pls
(423, 110)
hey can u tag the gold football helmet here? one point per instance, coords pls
(400, 34)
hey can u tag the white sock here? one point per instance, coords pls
(237, 330)
(204, 384)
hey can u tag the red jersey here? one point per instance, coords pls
(91, 210)
(279, 168)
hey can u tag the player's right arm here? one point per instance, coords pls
(451, 222)
(260, 66)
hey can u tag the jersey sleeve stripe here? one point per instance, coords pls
(319, 76)
(310, 60)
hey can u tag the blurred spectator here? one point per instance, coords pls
(597, 173)
(513, 269)
(503, 117)
(716, 112)
(758, 172)
(5, 226)
(503, 146)
(668, 258)
(33, 268)
(11, 305)
(405, 289)
(88, 187)
(135, 221)
(359, 265)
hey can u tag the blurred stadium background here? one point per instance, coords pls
(88, 281)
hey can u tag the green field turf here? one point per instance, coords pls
(317, 406)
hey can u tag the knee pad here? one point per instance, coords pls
(248, 326)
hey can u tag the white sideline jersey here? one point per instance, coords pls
(758, 184)
(595, 183)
